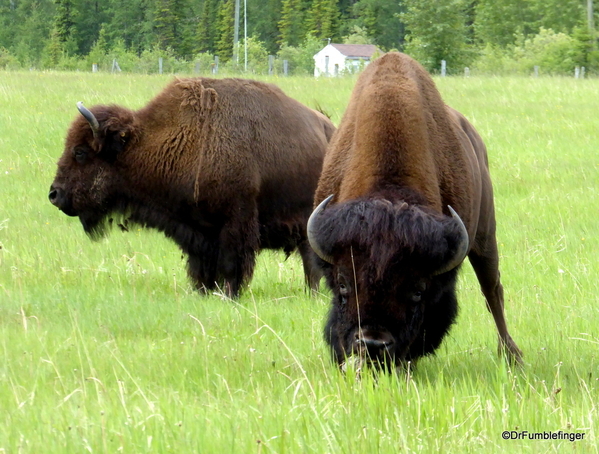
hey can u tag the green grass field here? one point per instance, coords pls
(105, 347)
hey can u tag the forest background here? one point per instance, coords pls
(488, 36)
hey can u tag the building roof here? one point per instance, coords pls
(356, 50)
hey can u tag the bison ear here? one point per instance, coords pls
(115, 142)
(117, 132)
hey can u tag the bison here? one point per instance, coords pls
(404, 196)
(224, 167)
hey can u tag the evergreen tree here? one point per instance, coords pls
(130, 22)
(498, 22)
(30, 30)
(164, 23)
(207, 31)
(226, 25)
(263, 18)
(169, 27)
(558, 15)
(381, 21)
(323, 19)
(436, 31)
(90, 17)
(54, 48)
(64, 22)
(291, 25)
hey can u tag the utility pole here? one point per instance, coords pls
(236, 34)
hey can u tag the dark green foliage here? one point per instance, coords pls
(226, 22)
(263, 19)
(381, 21)
(64, 22)
(291, 25)
(130, 22)
(322, 20)
(51, 33)
(207, 35)
(436, 31)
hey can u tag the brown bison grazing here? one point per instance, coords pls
(224, 167)
(391, 243)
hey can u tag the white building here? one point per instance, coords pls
(335, 59)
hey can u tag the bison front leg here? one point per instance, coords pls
(239, 241)
(201, 262)
(486, 267)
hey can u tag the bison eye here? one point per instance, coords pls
(343, 289)
(80, 155)
(416, 296)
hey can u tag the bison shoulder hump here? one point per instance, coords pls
(196, 96)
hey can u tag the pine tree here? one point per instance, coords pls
(323, 19)
(54, 48)
(380, 20)
(226, 24)
(64, 21)
(263, 18)
(437, 31)
(130, 22)
(207, 31)
(291, 25)
(164, 23)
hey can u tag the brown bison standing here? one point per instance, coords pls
(224, 167)
(391, 243)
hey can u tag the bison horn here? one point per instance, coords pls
(312, 230)
(461, 249)
(92, 120)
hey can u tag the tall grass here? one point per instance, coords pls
(105, 347)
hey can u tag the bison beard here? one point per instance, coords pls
(224, 167)
(391, 242)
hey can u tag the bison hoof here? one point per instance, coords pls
(511, 351)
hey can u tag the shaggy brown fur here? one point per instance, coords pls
(224, 167)
(398, 159)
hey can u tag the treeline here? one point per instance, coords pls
(486, 35)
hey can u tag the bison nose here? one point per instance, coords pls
(52, 196)
(59, 199)
(376, 344)
(56, 196)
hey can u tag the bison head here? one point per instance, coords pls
(89, 172)
(392, 268)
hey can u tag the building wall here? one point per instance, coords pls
(329, 61)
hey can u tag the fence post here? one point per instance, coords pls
(197, 68)
(582, 72)
(577, 72)
(536, 71)
(115, 66)
(271, 64)
(215, 66)
(466, 72)
(159, 65)
(286, 67)
(443, 68)
(95, 68)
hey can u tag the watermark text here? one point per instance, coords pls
(526, 435)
